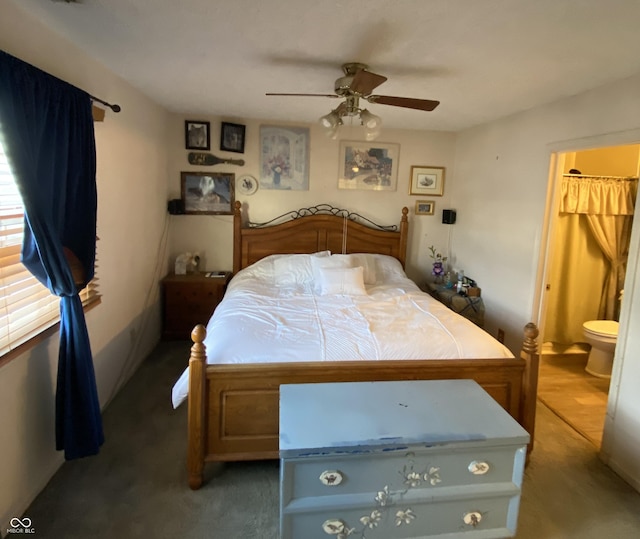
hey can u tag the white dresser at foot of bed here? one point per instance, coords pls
(390, 460)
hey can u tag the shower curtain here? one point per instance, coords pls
(590, 253)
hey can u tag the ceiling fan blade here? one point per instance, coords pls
(407, 102)
(305, 95)
(364, 82)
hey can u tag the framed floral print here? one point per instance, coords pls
(284, 158)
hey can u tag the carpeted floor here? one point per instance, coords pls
(136, 487)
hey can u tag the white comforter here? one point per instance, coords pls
(268, 316)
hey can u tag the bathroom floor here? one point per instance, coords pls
(577, 397)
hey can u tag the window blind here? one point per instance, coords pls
(26, 306)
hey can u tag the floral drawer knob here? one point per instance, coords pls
(478, 467)
(331, 478)
(472, 518)
(333, 526)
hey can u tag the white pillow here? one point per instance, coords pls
(389, 268)
(295, 270)
(368, 263)
(329, 262)
(346, 281)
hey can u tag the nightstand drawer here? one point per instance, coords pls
(196, 299)
(193, 293)
(408, 517)
(189, 300)
(426, 469)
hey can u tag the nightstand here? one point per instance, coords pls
(412, 459)
(467, 306)
(189, 300)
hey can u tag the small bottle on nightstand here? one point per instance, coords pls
(459, 287)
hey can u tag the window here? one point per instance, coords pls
(27, 308)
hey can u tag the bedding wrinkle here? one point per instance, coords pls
(346, 331)
(321, 335)
(439, 323)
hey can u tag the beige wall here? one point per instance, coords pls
(132, 188)
(213, 234)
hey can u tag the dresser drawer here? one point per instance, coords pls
(421, 469)
(487, 517)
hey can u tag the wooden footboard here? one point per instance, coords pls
(234, 409)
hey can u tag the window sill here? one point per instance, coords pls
(41, 336)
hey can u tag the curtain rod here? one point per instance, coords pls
(114, 107)
(603, 177)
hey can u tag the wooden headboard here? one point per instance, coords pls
(318, 228)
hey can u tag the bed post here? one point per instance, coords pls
(237, 238)
(196, 416)
(404, 231)
(531, 357)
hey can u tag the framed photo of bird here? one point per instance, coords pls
(210, 193)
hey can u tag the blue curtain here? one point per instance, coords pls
(49, 139)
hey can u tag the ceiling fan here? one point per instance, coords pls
(358, 83)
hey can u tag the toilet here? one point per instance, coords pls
(602, 336)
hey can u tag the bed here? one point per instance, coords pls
(334, 271)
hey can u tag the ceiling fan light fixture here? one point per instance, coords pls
(370, 120)
(332, 132)
(331, 120)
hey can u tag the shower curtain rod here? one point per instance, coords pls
(603, 177)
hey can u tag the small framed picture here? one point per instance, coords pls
(425, 207)
(232, 137)
(427, 181)
(197, 135)
(210, 193)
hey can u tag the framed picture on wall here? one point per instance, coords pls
(208, 193)
(284, 158)
(427, 181)
(425, 207)
(197, 135)
(368, 165)
(232, 137)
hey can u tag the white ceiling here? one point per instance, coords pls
(482, 59)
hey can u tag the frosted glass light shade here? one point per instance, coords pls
(369, 120)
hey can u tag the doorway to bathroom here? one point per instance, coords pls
(575, 275)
